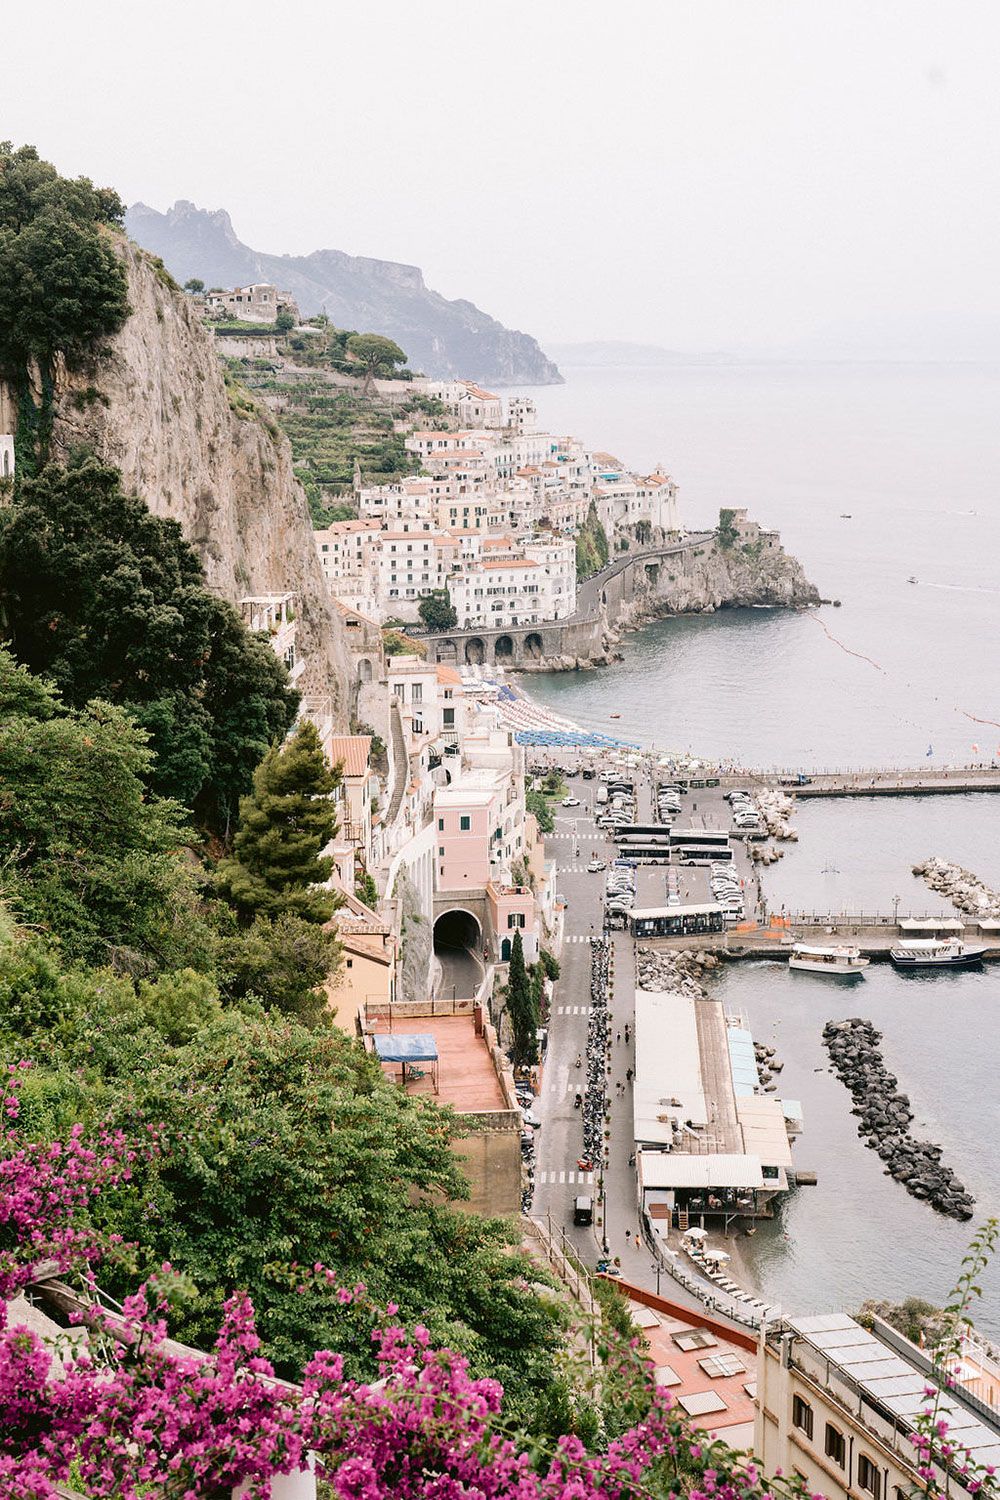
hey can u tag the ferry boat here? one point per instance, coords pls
(936, 953)
(839, 960)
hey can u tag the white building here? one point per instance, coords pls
(517, 590)
(273, 615)
(838, 1405)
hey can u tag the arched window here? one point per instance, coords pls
(505, 951)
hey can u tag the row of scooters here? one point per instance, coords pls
(595, 1099)
(526, 1099)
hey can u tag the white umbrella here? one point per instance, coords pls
(715, 1255)
(694, 1233)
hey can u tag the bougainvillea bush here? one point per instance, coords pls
(121, 1413)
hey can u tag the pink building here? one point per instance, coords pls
(466, 817)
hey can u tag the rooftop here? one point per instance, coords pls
(354, 750)
(467, 1078)
(712, 1379)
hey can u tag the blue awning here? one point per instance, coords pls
(410, 1048)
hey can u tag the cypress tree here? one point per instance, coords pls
(521, 1006)
(277, 867)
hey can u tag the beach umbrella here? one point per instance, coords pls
(694, 1233)
(715, 1254)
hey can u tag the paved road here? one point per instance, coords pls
(461, 972)
(558, 1180)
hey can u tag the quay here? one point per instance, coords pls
(873, 933)
(874, 781)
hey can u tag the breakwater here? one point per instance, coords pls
(963, 889)
(884, 1117)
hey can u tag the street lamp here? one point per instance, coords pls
(895, 910)
(656, 1267)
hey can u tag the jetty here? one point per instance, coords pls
(873, 933)
(930, 781)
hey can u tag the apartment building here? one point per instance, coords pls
(274, 615)
(512, 590)
(838, 1404)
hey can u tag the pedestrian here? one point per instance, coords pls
(628, 1033)
(628, 1236)
(631, 1160)
(628, 1074)
(618, 1037)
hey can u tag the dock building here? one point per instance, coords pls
(710, 1146)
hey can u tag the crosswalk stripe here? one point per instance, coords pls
(562, 1176)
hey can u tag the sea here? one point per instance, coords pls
(884, 481)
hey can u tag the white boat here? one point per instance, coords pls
(936, 953)
(841, 960)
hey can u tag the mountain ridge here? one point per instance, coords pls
(443, 338)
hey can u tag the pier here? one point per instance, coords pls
(873, 933)
(931, 781)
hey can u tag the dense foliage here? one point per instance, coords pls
(86, 853)
(522, 1006)
(110, 602)
(375, 354)
(62, 287)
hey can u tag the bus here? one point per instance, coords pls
(676, 921)
(703, 837)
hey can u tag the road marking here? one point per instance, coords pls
(562, 1177)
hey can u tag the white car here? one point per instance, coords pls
(571, 802)
(596, 865)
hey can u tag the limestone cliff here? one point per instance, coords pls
(156, 405)
(710, 576)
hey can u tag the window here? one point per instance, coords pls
(465, 823)
(802, 1416)
(448, 718)
(869, 1477)
(418, 692)
(350, 963)
(515, 919)
(440, 854)
(835, 1446)
(716, 1365)
(440, 825)
(694, 1338)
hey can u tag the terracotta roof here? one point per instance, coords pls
(449, 675)
(345, 609)
(353, 750)
(511, 562)
(345, 528)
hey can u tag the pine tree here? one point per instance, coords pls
(521, 1006)
(277, 866)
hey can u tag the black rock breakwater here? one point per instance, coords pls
(884, 1116)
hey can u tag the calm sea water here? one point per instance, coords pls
(874, 475)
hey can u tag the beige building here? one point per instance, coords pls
(837, 1404)
(258, 303)
(367, 973)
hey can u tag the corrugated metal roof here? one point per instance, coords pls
(743, 1061)
(672, 1169)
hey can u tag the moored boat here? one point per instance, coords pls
(841, 959)
(936, 953)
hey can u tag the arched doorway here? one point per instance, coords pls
(458, 947)
(505, 951)
(475, 652)
(365, 672)
(503, 648)
(534, 649)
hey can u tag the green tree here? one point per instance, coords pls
(437, 611)
(277, 866)
(110, 602)
(536, 803)
(282, 961)
(522, 1006)
(194, 284)
(86, 853)
(376, 355)
(63, 288)
(284, 322)
(592, 551)
(727, 532)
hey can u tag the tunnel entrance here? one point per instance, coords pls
(458, 946)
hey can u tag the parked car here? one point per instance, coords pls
(571, 802)
(596, 865)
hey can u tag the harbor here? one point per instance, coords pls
(684, 1149)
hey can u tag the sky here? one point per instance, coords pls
(701, 174)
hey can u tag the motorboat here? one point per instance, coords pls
(936, 953)
(834, 960)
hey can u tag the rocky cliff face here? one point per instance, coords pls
(713, 577)
(157, 407)
(442, 338)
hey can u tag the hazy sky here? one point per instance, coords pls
(700, 173)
